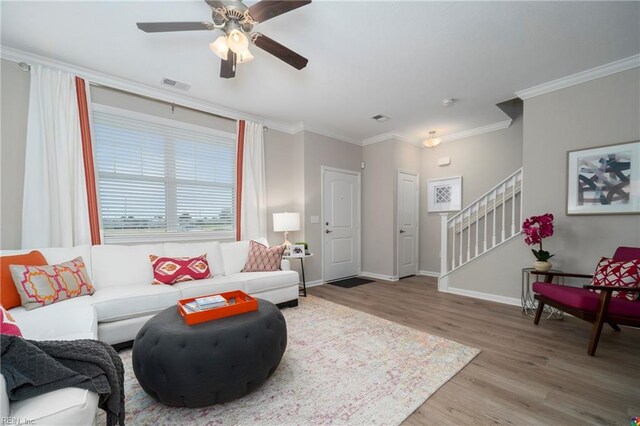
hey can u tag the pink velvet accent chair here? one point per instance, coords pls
(596, 307)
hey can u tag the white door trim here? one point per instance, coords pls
(397, 227)
(358, 174)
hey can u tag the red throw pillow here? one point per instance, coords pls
(263, 258)
(614, 273)
(171, 270)
(9, 296)
(8, 324)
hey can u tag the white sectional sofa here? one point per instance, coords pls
(123, 301)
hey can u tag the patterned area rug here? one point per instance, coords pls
(341, 367)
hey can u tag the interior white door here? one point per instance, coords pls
(407, 226)
(341, 224)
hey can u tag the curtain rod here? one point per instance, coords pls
(172, 104)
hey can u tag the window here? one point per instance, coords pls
(160, 179)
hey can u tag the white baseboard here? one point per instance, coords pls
(484, 296)
(378, 276)
(429, 273)
(314, 283)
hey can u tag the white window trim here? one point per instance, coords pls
(138, 238)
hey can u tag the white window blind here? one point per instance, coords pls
(161, 178)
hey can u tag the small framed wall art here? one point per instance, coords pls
(444, 195)
(604, 180)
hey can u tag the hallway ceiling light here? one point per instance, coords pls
(432, 140)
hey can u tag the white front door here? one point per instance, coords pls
(407, 226)
(341, 223)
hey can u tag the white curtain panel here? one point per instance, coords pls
(55, 211)
(253, 214)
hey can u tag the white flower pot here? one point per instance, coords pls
(542, 266)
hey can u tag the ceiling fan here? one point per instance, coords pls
(236, 21)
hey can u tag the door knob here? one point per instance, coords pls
(402, 231)
(327, 231)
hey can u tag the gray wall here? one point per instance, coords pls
(321, 151)
(599, 112)
(482, 161)
(378, 181)
(14, 96)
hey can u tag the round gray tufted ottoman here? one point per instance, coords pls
(211, 362)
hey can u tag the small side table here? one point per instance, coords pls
(304, 281)
(529, 303)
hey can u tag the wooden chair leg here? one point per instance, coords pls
(613, 325)
(539, 310)
(603, 304)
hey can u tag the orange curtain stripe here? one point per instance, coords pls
(87, 154)
(239, 161)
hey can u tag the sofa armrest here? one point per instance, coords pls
(285, 265)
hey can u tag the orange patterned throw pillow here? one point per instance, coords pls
(618, 273)
(43, 285)
(171, 270)
(263, 258)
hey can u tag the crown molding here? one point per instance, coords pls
(477, 131)
(390, 135)
(17, 55)
(303, 127)
(581, 77)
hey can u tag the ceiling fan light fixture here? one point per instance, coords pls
(238, 42)
(244, 57)
(220, 47)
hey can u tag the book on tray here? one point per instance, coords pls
(204, 303)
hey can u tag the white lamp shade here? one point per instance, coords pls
(238, 42)
(285, 222)
(245, 57)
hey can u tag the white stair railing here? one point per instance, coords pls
(488, 222)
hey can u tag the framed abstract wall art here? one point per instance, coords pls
(444, 195)
(604, 180)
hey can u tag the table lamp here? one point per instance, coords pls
(285, 222)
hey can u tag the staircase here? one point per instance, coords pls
(483, 225)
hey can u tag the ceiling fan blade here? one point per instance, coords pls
(215, 4)
(279, 51)
(161, 27)
(267, 9)
(228, 67)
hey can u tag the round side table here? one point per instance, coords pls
(529, 303)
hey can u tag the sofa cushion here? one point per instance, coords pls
(67, 320)
(580, 298)
(235, 255)
(129, 301)
(214, 285)
(262, 258)
(9, 296)
(68, 406)
(39, 286)
(123, 265)
(211, 248)
(255, 282)
(171, 270)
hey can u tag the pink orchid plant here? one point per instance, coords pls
(535, 229)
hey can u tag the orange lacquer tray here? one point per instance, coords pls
(244, 303)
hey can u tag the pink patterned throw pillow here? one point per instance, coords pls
(171, 270)
(263, 258)
(625, 273)
(43, 285)
(8, 324)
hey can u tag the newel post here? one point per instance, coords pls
(444, 243)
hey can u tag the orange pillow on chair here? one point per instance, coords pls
(9, 296)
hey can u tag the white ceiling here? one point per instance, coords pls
(395, 58)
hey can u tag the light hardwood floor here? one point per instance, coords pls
(525, 374)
